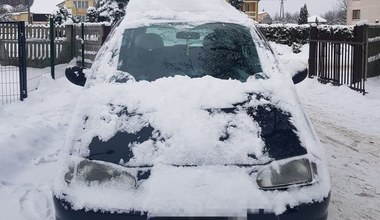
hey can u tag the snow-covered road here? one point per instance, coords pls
(32, 133)
(348, 125)
(353, 151)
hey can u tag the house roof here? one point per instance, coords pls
(313, 18)
(44, 6)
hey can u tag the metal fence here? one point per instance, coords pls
(41, 46)
(12, 62)
(89, 37)
(373, 67)
(341, 62)
(345, 62)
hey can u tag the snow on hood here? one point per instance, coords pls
(184, 114)
(180, 109)
(177, 108)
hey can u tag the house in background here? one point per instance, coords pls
(40, 12)
(316, 20)
(251, 8)
(263, 15)
(79, 8)
(363, 10)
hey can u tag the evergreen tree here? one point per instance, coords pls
(237, 3)
(62, 16)
(4, 14)
(92, 15)
(111, 10)
(304, 14)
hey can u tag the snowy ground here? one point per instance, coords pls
(32, 132)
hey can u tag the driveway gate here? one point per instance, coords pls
(341, 62)
(12, 62)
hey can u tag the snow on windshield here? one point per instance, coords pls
(192, 14)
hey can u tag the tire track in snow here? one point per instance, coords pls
(354, 169)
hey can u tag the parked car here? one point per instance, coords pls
(187, 113)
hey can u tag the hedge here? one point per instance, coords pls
(291, 34)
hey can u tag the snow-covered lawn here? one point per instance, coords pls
(32, 133)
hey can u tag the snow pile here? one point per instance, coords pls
(31, 137)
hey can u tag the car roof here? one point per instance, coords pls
(194, 11)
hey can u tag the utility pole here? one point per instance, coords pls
(282, 11)
(30, 20)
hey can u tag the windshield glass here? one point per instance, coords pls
(224, 51)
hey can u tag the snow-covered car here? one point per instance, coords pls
(186, 113)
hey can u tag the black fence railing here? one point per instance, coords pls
(373, 67)
(12, 77)
(345, 62)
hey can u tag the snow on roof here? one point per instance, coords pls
(45, 6)
(313, 18)
(7, 7)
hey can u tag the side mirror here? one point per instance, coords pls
(300, 76)
(75, 75)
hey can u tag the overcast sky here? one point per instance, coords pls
(315, 7)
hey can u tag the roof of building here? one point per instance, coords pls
(45, 6)
(312, 19)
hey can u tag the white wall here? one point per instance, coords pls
(369, 10)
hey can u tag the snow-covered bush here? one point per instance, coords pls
(62, 16)
(300, 34)
(92, 15)
(296, 48)
(4, 13)
(286, 33)
(111, 10)
(236, 3)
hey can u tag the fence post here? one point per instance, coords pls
(359, 51)
(52, 48)
(22, 60)
(313, 51)
(82, 30)
(70, 36)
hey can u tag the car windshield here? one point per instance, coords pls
(221, 50)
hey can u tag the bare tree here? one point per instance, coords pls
(341, 11)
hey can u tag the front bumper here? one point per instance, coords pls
(313, 211)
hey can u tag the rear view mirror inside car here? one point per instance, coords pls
(188, 35)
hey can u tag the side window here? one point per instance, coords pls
(355, 14)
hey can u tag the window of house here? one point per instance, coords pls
(75, 4)
(246, 7)
(355, 14)
(86, 4)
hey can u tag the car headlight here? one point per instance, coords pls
(90, 171)
(296, 172)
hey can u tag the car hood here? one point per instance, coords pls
(184, 121)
